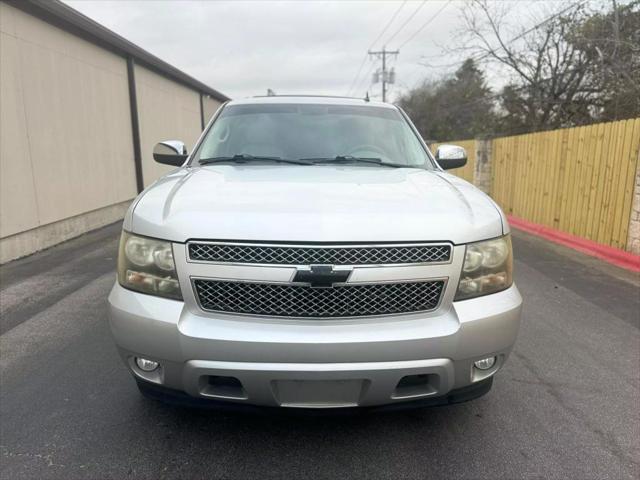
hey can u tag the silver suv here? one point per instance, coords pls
(311, 252)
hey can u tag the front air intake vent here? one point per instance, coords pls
(284, 300)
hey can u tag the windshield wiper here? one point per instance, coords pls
(243, 158)
(352, 159)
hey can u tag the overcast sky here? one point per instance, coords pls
(241, 48)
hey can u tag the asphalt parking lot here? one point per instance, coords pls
(567, 404)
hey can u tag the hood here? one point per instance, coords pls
(325, 203)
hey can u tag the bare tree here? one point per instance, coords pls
(550, 85)
(576, 66)
(611, 40)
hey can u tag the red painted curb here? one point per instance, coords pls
(609, 254)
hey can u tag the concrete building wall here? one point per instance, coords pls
(65, 129)
(66, 139)
(166, 111)
(209, 106)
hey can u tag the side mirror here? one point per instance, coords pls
(170, 152)
(451, 156)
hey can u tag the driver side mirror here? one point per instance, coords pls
(451, 156)
(170, 152)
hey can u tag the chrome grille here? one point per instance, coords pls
(286, 300)
(300, 255)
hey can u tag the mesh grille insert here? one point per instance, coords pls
(285, 255)
(304, 301)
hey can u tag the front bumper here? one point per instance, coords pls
(179, 398)
(314, 363)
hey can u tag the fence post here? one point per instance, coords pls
(633, 237)
(482, 170)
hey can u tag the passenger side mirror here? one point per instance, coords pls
(451, 156)
(170, 152)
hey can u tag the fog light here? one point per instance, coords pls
(485, 363)
(146, 365)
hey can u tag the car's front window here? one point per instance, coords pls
(313, 132)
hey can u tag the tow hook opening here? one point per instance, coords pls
(419, 385)
(222, 387)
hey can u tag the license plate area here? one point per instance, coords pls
(319, 393)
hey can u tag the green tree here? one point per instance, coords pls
(456, 107)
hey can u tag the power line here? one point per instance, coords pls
(382, 54)
(422, 27)
(364, 59)
(363, 79)
(366, 55)
(433, 17)
(355, 83)
(406, 22)
(388, 24)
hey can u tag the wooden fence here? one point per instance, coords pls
(577, 180)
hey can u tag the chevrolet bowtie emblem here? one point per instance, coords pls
(321, 276)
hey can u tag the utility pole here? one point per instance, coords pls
(387, 76)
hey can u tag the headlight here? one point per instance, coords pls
(487, 268)
(146, 265)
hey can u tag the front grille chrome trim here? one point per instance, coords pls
(443, 281)
(440, 248)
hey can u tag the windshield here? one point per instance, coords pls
(313, 132)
